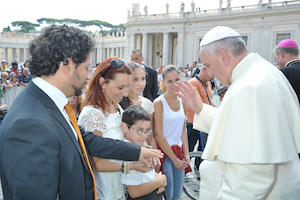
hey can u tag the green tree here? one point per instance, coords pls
(105, 27)
(7, 29)
(24, 26)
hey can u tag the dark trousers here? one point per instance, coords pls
(193, 137)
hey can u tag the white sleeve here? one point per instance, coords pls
(247, 181)
(147, 105)
(92, 120)
(137, 178)
(204, 119)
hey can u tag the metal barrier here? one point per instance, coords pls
(10, 95)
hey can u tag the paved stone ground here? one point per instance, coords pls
(191, 184)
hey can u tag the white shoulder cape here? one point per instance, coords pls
(258, 120)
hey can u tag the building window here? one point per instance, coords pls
(282, 36)
(245, 38)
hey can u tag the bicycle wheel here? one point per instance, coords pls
(191, 181)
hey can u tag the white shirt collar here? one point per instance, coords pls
(290, 62)
(53, 92)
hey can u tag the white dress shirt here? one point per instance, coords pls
(57, 96)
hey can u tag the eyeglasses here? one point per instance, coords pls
(140, 131)
(115, 63)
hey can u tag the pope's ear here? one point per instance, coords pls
(224, 56)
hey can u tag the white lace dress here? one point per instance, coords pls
(109, 186)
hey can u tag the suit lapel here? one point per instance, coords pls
(62, 121)
(57, 115)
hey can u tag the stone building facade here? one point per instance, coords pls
(173, 38)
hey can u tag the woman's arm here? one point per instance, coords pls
(185, 146)
(104, 165)
(146, 188)
(151, 141)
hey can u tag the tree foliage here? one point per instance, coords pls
(105, 27)
(25, 27)
(7, 29)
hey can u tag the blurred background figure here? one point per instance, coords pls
(15, 68)
(151, 88)
(287, 58)
(25, 77)
(75, 102)
(3, 66)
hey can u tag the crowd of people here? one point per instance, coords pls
(125, 130)
(12, 81)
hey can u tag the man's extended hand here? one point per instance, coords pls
(149, 153)
(189, 95)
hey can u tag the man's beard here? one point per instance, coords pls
(78, 90)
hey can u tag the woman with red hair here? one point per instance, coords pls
(101, 114)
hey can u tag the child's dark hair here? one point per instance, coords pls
(133, 114)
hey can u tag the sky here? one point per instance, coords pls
(111, 11)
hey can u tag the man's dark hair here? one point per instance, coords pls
(134, 113)
(137, 51)
(14, 63)
(290, 51)
(55, 45)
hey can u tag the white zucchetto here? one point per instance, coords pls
(218, 33)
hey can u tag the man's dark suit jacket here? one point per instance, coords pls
(151, 88)
(292, 73)
(40, 157)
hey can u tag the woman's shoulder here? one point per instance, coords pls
(159, 98)
(147, 105)
(158, 102)
(146, 101)
(90, 110)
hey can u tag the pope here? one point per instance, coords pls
(254, 136)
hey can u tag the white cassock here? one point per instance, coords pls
(254, 137)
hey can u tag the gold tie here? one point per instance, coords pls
(73, 120)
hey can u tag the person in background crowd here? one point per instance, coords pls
(196, 68)
(75, 102)
(14, 81)
(25, 77)
(5, 83)
(136, 126)
(201, 82)
(3, 67)
(151, 88)
(15, 68)
(26, 64)
(170, 134)
(287, 58)
(254, 136)
(43, 154)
